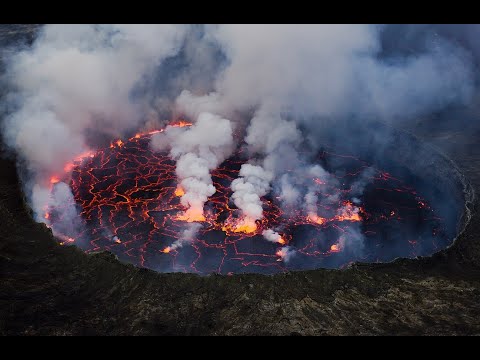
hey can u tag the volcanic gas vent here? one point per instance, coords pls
(129, 200)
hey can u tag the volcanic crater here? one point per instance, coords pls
(52, 289)
(128, 196)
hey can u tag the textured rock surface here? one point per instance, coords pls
(49, 289)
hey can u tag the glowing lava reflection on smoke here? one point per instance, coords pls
(129, 202)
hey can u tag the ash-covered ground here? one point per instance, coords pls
(47, 289)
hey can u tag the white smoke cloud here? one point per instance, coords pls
(298, 67)
(289, 194)
(193, 106)
(272, 236)
(352, 241)
(358, 187)
(253, 183)
(61, 199)
(75, 80)
(187, 236)
(333, 70)
(198, 149)
(286, 253)
(276, 140)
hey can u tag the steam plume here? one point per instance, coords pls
(198, 150)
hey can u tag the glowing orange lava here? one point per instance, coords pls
(245, 225)
(335, 248)
(349, 213)
(68, 167)
(179, 191)
(282, 254)
(314, 218)
(191, 215)
(181, 123)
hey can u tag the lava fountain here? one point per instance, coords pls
(128, 198)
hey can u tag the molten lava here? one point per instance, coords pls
(244, 225)
(179, 191)
(335, 248)
(191, 215)
(128, 198)
(349, 213)
(314, 218)
(181, 123)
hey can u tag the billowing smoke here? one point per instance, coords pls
(75, 81)
(327, 71)
(186, 236)
(60, 197)
(335, 70)
(253, 183)
(78, 85)
(273, 236)
(286, 253)
(198, 150)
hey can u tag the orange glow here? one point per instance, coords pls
(281, 241)
(154, 132)
(349, 213)
(282, 253)
(68, 167)
(65, 239)
(84, 155)
(179, 191)
(191, 215)
(181, 123)
(54, 180)
(314, 218)
(47, 216)
(348, 217)
(245, 225)
(167, 250)
(118, 241)
(335, 248)
(118, 143)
